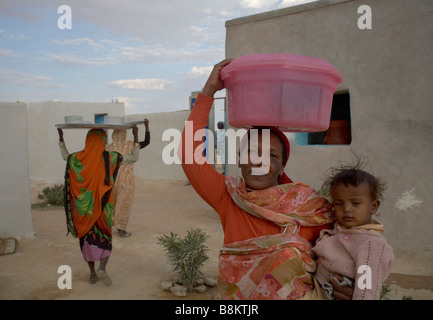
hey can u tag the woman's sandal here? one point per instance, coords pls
(124, 234)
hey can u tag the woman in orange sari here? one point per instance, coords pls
(270, 223)
(89, 180)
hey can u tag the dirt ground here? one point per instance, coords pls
(137, 264)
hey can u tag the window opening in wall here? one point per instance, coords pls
(339, 131)
(99, 117)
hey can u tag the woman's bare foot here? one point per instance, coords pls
(106, 280)
(93, 279)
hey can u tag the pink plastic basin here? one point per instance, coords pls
(291, 92)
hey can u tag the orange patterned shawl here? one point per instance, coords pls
(89, 178)
(276, 266)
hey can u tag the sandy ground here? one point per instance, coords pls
(138, 264)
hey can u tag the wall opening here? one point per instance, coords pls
(340, 127)
(99, 117)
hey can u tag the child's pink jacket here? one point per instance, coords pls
(342, 251)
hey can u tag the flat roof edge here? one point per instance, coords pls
(285, 11)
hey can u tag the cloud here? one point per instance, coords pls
(19, 36)
(271, 4)
(136, 105)
(161, 31)
(8, 53)
(289, 3)
(143, 84)
(77, 41)
(147, 105)
(258, 4)
(159, 53)
(169, 22)
(17, 78)
(176, 41)
(164, 21)
(199, 72)
(76, 61)
(133, 50)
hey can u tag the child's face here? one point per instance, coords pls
(353, 205)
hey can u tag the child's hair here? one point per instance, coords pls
(353, 174)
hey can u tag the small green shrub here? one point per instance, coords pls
(386, 289)
(52, 195)
(186, 255)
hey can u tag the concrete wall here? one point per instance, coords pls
(30, 156)
(45, 162)
(387, 71)
(15, 210)
(151, 165)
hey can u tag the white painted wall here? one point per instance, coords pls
(30, 155)
(15, 209)
(45, 162)
(151, 165)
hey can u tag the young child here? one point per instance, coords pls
(355, 247)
